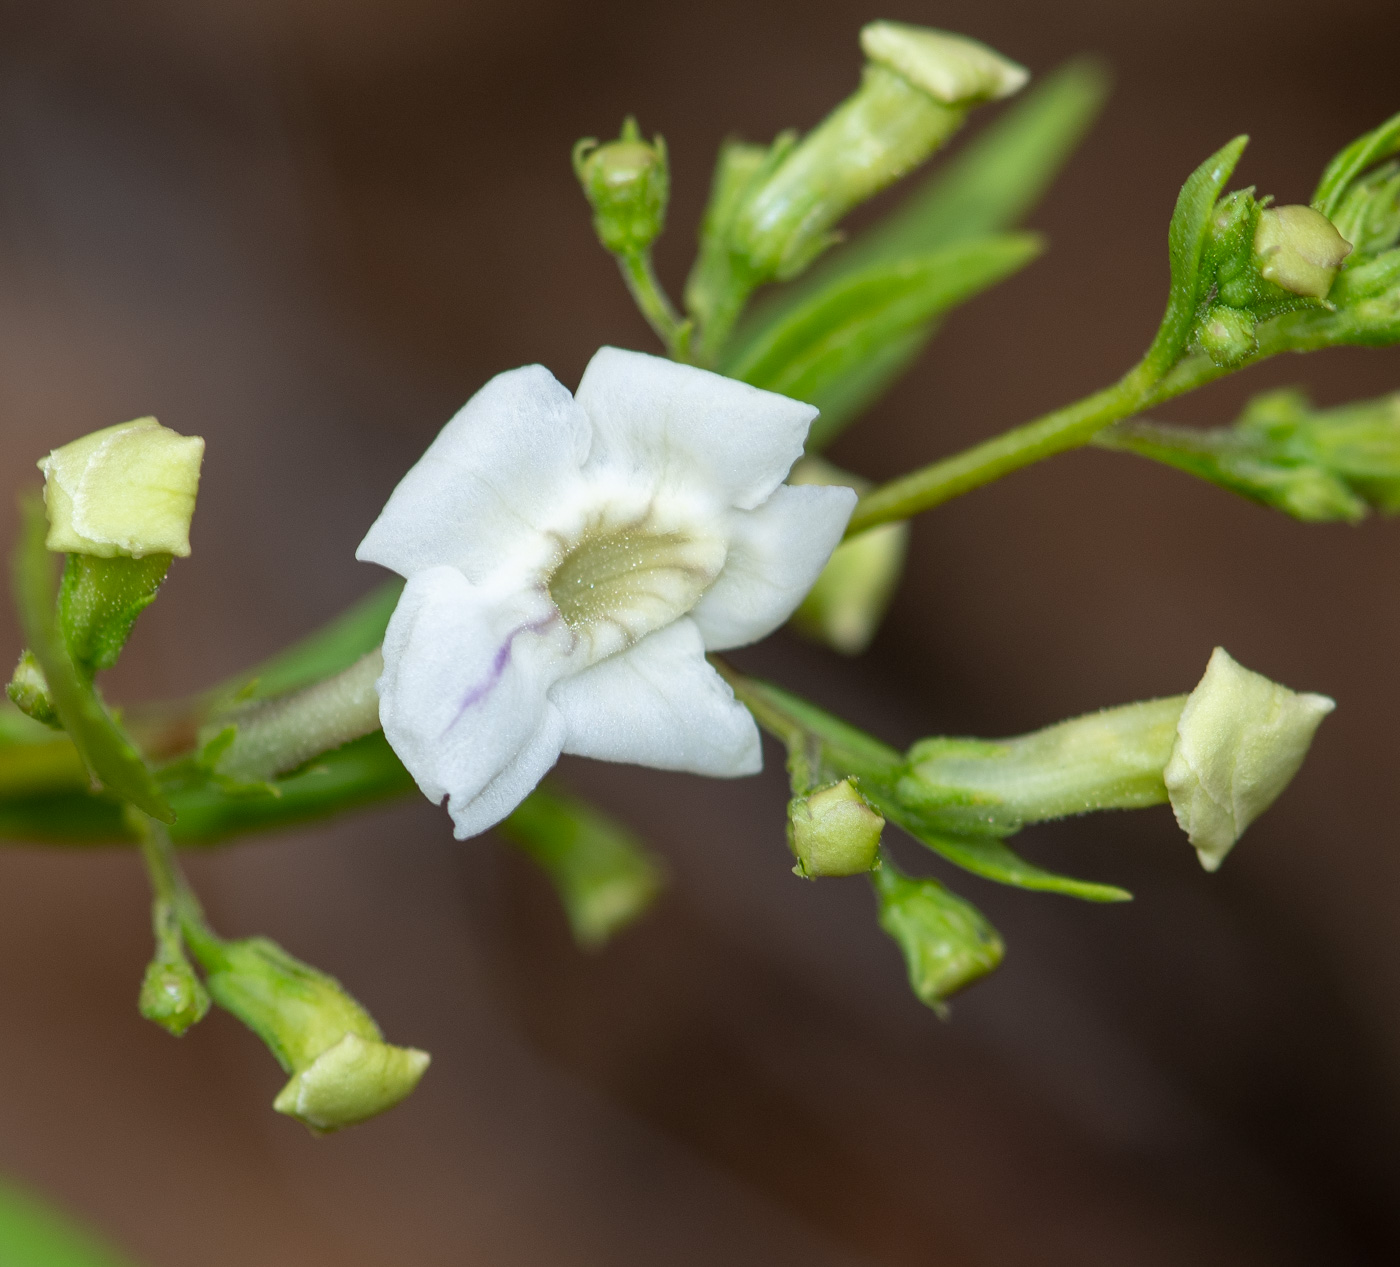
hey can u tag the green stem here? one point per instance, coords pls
(651, 298)
(1065, 428)
(176, 906)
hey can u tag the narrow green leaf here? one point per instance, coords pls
(34, 1234)
(111, 758)
(991, 857)
(1364, 152)
(604, 876)
(1186, 238)
(845, 329)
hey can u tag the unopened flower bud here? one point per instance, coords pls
(1299, 249)
(342, 1070)
(846, 605)
(833, 832)
(951, 68)
(947, 942)
(28, 690)
(172, 996)
(124, 490)
(917, 88)
(1240, 739)
(1227, 335)
(627, 182)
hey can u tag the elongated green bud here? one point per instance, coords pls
(342, 1070)
(1299, 249)
(1240, 739)
(128, 490)
(627, 183)
(917, 88)
(833, 832)
(947, 942)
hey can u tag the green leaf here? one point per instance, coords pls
(990, 185)
(991, 858)
(34, 1234)
(843, 329)
(1186, 240)
(1364, 152)
(110, 757)
(604, 876)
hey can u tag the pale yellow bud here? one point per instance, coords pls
(350, 1081)
(124, 490)
(1240, 739)
(834, 832)
(951, 68)
(1299, 249)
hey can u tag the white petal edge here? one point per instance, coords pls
(776, 554)
(660, 704)
(678, 427)
(464, 689)
(494, 473)
(499, 797)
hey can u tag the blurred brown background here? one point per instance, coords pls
(308, 231)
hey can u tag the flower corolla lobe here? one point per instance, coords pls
(571, 559)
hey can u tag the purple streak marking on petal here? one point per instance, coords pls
(498, 665)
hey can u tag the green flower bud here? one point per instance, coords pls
(846, 605)
(128, 489)
(833, 832)
(1299, 249)
(1240, 739)
(28, 690)
(917, 88)
(1227, 335)
(947, 942)
(342, 1070)
(172, 996)
(627, 182)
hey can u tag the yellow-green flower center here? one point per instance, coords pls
(618, 584)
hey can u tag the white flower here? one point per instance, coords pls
(570, 559)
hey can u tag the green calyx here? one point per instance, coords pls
(627, 182)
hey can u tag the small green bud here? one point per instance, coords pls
(947, 942)
(1299, 249)
(1227, 335)
(128, 490)
(951, 68)
(627, 182)
(1240, 739)
(28, 690)
(846, 605)
(833, 832)
(342, 1070)
(172, 996)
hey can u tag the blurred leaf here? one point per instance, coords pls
(989, 186)
(330, 649)
(105, 749)
(603, 874)
(1364, 152)
(34, 1234)
(1186, 240)
(844, 329)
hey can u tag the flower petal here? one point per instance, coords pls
(660, 704)
(776, 554)
(678, 427)
(493, 473)
(463, 699)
